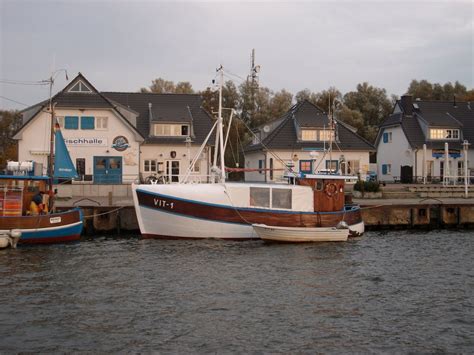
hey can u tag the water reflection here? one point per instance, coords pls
(391, 292)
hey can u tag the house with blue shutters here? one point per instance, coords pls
(118, 137)
(300, 139)
(411, 141)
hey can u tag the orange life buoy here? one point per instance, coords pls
(330, 189)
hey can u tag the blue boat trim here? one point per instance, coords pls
(60, 232)
(344, 210)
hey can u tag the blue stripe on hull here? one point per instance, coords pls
(65, 232)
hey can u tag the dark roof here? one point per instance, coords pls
(393, 119)
(64, 98)
(439, 114)
(309, 115)
(284, 136)
(166, 108)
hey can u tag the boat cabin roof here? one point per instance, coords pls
(321, 176)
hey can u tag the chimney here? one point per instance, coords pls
(150, 116)
(407, 104)
(454, 103)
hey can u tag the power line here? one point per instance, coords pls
(17, 102)
(23, 82)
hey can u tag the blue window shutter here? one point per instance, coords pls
(385, 137)
(384, 169)
(87, 122)
(71, 122)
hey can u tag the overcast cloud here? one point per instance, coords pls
(123, 45)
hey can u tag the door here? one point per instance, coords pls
(429, 170)
(172, 170)
(108, 170)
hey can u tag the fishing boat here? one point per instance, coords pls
(300, 235)
(227, 210)
(16, 194)
(20, 187)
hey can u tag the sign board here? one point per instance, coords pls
(86, 142)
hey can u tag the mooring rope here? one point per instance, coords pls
(104, 213)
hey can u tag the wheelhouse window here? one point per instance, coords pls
(170, 130)
(259, 197)
(436, 133)
(281, 198)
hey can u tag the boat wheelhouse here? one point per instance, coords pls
(16, 194)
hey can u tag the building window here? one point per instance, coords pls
(173, 130)
(306, 166)
(197, 166)
(87, 122)
(71, 122)
(332, 165)
(353, 167)
(271, 168)
(149, 166)
(436, 133)
(386, 169)
(326, 135)
(101, 123)
(80, 87)
(387, 137)
(309, 135)
(261, 166)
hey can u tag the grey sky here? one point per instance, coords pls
(123, 45)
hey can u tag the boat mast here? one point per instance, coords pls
(51, 145)
(219, 148)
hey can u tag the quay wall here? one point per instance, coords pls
(418, 216)
(123, 220)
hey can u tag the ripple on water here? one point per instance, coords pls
(384, 292)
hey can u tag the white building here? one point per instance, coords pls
(413, 124)
(300, 140)
(118, 138)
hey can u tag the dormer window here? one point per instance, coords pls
(170, 130)
(436, 133)
(309, 135)
(80, 87)
(314, 135)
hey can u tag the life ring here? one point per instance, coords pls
(330, 189)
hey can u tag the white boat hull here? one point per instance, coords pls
(300, 235)
(196, 211)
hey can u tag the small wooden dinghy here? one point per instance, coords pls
(300, 234)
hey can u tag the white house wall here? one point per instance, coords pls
(396, 153)
(35, 140)
(163, 153)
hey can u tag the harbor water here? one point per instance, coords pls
(393, 292)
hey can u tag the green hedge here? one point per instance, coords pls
(367, 186)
